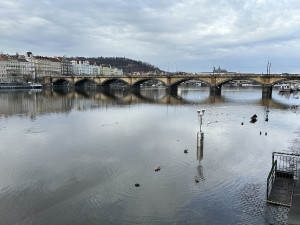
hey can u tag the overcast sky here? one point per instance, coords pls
(185, 35)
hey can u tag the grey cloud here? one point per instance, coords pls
(189, 32)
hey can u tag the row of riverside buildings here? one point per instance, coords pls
(30, 68)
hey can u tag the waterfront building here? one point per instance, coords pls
(66, 66)
(81, 68)
(105, 70)
(20, 68)
(117, 71)
(30, 68)
(23, 66)
(3, 75)
(136, 73)
(13, 70)
(90, 68)
(94, 69)
(46, 66)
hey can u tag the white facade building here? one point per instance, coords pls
(81, 68)
(117, 72)
(30, 68)
(94, 69)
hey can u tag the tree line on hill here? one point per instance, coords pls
(128, 65)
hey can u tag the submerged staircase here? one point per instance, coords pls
(283, 187)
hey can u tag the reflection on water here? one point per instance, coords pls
(74, 156)
(200, 145)
(64, 99)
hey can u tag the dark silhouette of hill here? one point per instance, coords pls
(128, 65)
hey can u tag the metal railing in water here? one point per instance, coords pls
(281, 179)
(287, 162)
(271, 178)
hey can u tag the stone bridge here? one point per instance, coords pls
(213, 80)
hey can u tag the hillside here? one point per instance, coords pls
(128, 65)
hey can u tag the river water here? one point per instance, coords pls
(74, 157)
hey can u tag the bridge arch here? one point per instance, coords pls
(143, 80)
(226, 80)
(109, 81)
(179, 81)
(84, 81)
(271, 82)
(61, 81)
(278, 81)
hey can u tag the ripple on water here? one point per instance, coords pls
(120, 194)
(215, 181)
(174, 168)
(112, 199)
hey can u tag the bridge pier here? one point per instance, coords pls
(215, 89)
(267, 91)
(136, 89)
(172, 90)
(105, 88)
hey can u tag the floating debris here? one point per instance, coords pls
(197, 180)
(185, 150)
(137, 185)
(157, 168)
